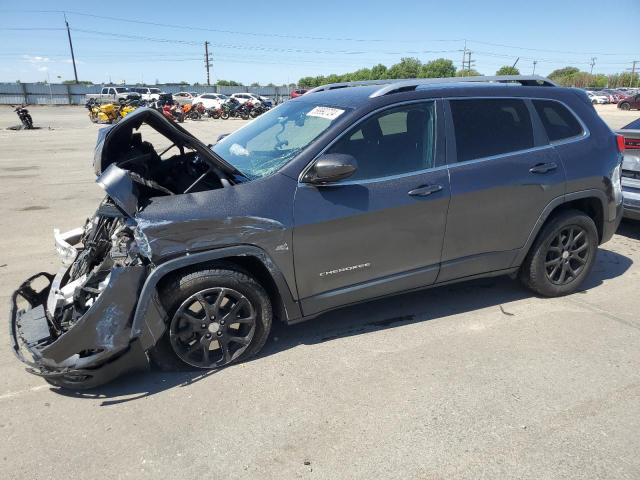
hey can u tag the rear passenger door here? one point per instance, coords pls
(503, 173)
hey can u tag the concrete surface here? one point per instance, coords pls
(477, 380)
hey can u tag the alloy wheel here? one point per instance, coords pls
(567, 255)
(212, 327)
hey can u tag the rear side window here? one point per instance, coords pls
(557, 120)
(487, 127)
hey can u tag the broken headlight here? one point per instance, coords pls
(142, 242)
(64, 243)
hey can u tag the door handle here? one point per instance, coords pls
(543, 167)
(425, 190)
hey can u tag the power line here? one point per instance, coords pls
(307, 37)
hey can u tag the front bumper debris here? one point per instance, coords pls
(96, 349)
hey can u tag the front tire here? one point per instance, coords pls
(216, 317)
(562, 256)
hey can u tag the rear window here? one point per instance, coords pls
(557, 120)
(487, 127)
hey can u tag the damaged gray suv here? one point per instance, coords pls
(349, 193)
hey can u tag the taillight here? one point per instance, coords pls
(620, 142)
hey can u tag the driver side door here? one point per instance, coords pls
(379, 231)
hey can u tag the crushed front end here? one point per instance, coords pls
(74, 328)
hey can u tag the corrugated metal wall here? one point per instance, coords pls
(62, 94)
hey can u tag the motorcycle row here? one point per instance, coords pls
(172, 110)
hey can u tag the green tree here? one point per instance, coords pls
(507, 70)
(562, 72)
(80, 82)
(438, 68)
(408, 67)
(255, 84)
(468, 73)
(229, 83)
(379, 72)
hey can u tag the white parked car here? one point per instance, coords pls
(184, 97)
(210, 100)
(253, 98)
(598, 98)
(147, 93)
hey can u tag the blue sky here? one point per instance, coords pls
(282, 41)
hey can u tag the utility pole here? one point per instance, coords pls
(534, 67)
(633, 72)
(593, 62)
(207, 61)
(467, 62)
(515, 63)
(464, 56)
(73, 58)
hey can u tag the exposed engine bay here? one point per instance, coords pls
(175, 170)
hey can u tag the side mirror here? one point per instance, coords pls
(331, 167)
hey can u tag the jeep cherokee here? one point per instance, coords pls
(348, 193)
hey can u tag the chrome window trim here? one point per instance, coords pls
(585, 131)
(361, 120)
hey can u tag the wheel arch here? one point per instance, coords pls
(592, 202)
(149, 319)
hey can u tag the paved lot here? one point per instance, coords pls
(476, 380)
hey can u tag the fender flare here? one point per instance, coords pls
(149, 319)
(551, 206)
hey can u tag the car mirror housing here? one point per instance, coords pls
(330, 168)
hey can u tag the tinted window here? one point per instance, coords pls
(557, 120)
(396, 141)
(488, 127)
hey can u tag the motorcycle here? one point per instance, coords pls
(173, 112)
(258, 110)
(107, 113)
(214, 112)
(25, 117)
(193, 112)
(126, 107)
(231, 109)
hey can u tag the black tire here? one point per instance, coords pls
(562, 256)
(224, 115)
(166, 354)
(625, 106)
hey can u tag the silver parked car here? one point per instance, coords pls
(631, 169)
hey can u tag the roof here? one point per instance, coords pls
(354, 94)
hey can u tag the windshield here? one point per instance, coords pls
(273, 139)
(154, 90)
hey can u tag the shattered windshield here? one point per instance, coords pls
(273, 139)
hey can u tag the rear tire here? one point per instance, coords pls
(625, 106)
(562, 256)
(237, 340)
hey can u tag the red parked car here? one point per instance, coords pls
(298, 93)
(630, 102)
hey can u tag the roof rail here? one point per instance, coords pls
(402, 85)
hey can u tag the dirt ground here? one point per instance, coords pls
(475, 380)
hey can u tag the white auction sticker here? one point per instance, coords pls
(325, 112)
